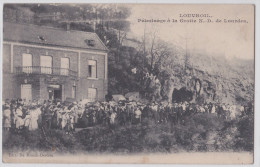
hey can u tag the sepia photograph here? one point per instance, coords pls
(128, 83)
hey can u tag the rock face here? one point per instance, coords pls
(153, 88)
(167, 89)
(234, 85)
(215, 80)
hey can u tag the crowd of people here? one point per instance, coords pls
(19, 115)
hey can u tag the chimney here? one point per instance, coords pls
(68, 26)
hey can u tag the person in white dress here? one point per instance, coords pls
(64, 120)
(7, 117)
(27, 120)
(19, 122)
(213, 110)
(34, 119)
(112, 118)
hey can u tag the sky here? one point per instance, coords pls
(216, 39)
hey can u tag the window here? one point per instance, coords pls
(92, 68)
(73, 92)
(27, 63)
(26, 91)
(65, 66)
(46, 64)
(90, 42)
(92, 94)
(41, 38)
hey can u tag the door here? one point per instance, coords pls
(51, 94)
(46, 64)
(26, 91)
(64, 65)
(55, 92)
(92, 94)
(27, 63)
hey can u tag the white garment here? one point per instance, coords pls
(7, 118)
(27, 120)
(183, 107)
(242, 108)
(213, 110)
(7, 113)
(63, 121)
(112, 118)
(138, 113)
(233, 112)
(155, 108)
(202, 109)
(34, 118)
(19, 122)
(19, 112)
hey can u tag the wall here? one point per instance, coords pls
(13, 82)
(99, 83)
(9, 81)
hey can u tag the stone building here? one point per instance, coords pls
(49, 63)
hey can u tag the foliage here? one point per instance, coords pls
(200, 132)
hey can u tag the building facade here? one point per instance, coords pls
(48, 63)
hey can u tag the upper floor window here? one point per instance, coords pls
(65, 66)
(46, 64)
(92, 68)
(27, 63)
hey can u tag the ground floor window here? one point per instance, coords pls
(26, 92)
(73, 92)
(92, 94)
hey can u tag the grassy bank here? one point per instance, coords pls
(200, 132)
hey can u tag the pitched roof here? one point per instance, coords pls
(34, 34)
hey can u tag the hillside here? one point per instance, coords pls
(232, 80)
(222, 80)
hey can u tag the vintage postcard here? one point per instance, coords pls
(128, 83)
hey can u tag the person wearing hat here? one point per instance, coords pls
(27, 118)
(48, 116)
(7, 117)
(112, 118)
(155, 112)
(138, 114)
(161, 110)
(70, 123)
(63, 120)
(123, 114)
(19, 122)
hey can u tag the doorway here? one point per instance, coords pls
(55, 92)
